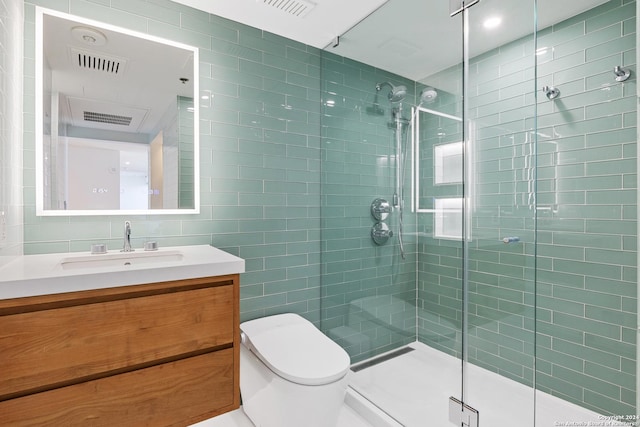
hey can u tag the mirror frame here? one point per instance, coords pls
(39, 117)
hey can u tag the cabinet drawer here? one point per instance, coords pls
(172, 394)
(55, 347)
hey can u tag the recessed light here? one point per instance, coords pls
(493, 22)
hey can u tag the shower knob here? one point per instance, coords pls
(380, 209)
(380, 233)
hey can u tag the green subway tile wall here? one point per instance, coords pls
(577, 257)
(368, 291)
(587, 257)
(260, 155)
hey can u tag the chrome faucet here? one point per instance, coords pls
(127, 238)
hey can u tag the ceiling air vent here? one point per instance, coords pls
(111, 119)
(95, 61)
(297, 8)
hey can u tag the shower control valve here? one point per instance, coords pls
(380, 233)
(380, 209)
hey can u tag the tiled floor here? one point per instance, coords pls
(235, 418)
(414, 389)
(348, 418)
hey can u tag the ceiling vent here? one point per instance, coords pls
(90, 113)
(297, 8)
(111, 119)
(87, 60)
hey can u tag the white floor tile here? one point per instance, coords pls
(237, 418)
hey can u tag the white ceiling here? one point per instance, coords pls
(321, 23)
(416, 38)
(412, 38)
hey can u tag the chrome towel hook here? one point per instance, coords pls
(621, 73)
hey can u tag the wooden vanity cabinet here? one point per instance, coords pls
(161, 354)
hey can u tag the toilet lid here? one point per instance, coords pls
(295, 349)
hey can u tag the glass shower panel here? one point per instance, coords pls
(587, 213)
(500, 195)
(368, 285)
(438, 201)
(395, 308)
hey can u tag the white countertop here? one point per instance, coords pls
(31, 275)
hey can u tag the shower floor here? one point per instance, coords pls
(414, 389)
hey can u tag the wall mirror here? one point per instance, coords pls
(116, 120)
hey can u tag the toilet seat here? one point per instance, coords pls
(295, 349)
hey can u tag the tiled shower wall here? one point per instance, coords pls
(260, 155)
(587, 254)
(583, 271)
(368, 290)
(10, 129)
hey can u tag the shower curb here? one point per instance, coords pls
(368, 411)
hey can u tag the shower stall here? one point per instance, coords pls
(479, 211)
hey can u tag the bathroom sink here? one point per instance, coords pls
(118, 259)
(43, 274)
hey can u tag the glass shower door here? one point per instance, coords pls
(499, 254)
(550, 277)
(438, 200)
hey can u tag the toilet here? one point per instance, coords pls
(291, 374)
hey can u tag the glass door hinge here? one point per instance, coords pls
(461, 414)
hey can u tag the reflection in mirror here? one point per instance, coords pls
(117, 120)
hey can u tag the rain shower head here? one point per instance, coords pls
(427, 95)
(396, 94)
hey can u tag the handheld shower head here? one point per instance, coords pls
(396, 94)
